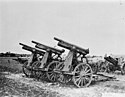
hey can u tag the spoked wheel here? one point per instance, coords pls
(26, 70)
(63, 78)
(37, 73)
(82, 75)
(123, 70)
(51, 75)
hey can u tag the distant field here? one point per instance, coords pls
(8, 62)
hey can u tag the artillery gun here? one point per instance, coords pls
(72, 68)
(51, 55)
(114, 64)
(27, 67)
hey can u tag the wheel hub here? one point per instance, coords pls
(82, 73)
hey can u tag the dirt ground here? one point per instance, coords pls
(17, 85)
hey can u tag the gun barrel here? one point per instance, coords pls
(34, 50)
(41, 47)
(44, 47)
(26, 46)
(31, 49)
(50, 49)
(71, 46)
(36, 42)
(22, 44)
(111, 60)
(58, 39)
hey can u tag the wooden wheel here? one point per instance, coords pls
(63, 78)
(51, 75)
(26, 71)
(82, 75)
(38, 74)
(36, 65)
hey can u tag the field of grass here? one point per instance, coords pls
(13, 88)
(9, 63)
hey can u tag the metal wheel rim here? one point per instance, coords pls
(36, 65)
(51, 75)
(82, 78)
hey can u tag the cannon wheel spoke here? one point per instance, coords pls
(26, 71)
(38, 74)
(82, 75)
(51, 75)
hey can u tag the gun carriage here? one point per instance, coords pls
(52, 55)
(114, 64)
(27, 67)
(73, 68)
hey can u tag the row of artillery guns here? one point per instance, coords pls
(46, 62)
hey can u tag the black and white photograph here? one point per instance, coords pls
(62, 48)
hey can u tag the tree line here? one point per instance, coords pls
(9, 54)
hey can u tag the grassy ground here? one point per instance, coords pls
(12, 88)
(8, 62)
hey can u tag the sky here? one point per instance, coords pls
(95, 24)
